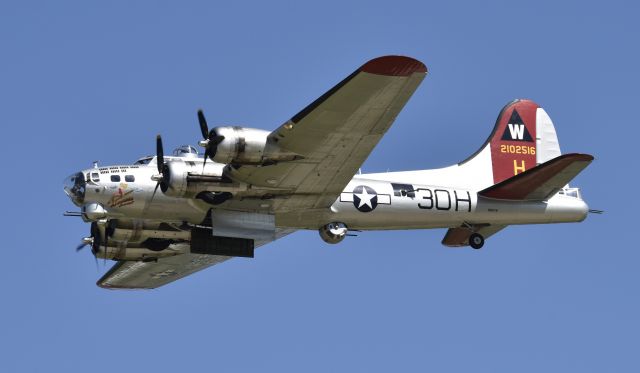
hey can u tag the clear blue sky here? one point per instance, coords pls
(83, 81)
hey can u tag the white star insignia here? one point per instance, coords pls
(365, 198)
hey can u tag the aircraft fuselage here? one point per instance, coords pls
(365, 204)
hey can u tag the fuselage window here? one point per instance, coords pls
(115, 178)
(95, 177)
(129, 178)
(572, 193)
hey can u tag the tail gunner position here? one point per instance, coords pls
(165, 217)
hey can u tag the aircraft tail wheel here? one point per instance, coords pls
(476, 241)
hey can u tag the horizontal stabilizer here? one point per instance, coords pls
(541, 182)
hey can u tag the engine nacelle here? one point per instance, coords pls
(184, 178)
(333, 233)
(140, 253)
(139, 234)
(242, 145)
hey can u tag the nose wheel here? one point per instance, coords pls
(476, 241)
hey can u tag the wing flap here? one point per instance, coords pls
(540, 182)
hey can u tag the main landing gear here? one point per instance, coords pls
(476, 241)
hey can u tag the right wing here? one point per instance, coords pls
(150, 275)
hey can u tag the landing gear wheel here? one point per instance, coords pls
(476, 241)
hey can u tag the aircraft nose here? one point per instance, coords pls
(75, 187)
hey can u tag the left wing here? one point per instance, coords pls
(334, 135)
(150, 275)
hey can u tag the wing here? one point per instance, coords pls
(150, 275)
(459, 236)
(335, 134)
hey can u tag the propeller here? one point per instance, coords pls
(108, 231)
(93, 240)
(159, 177)
(204, 129)
(211, 139)
(85, 241)
(159, 153)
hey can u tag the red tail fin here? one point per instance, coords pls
(523, 137)
(513, 141)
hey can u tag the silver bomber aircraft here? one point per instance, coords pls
(166, 217)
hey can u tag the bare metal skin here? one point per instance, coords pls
(165, 217)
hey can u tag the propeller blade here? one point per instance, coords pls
(203, 125)
(206, 155)
(95, 233)
(159, 153)
(154, 192)
(81, 246)
(108, 231)
(218, 139)
(214, 141)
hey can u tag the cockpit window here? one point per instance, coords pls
(144, 160)
(115, 178)
(95, 177)
(185, 151)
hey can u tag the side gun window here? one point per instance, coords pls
(398, 190)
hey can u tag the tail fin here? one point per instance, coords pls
(522, 138)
